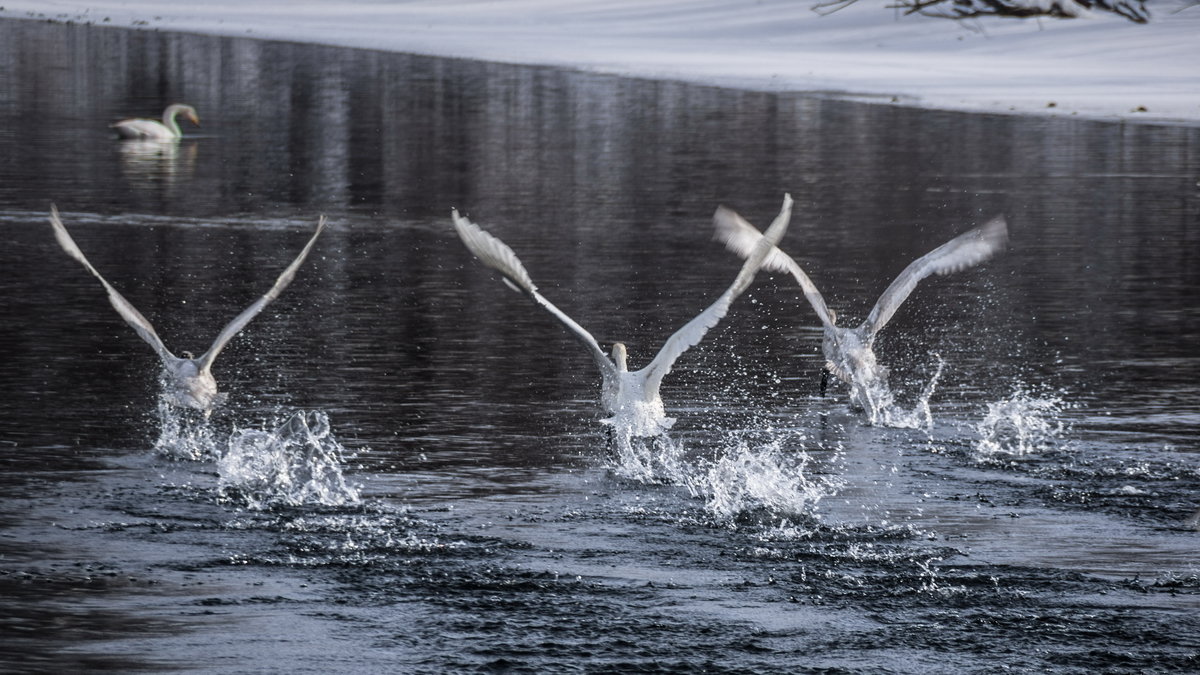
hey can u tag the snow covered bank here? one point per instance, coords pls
(1101, 66)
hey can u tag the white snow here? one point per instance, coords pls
(1100, 65)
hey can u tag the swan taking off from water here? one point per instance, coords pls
(187, 382)
(848, 351)
(631, 398)
(153, 130)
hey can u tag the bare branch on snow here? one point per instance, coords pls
(1134, 10)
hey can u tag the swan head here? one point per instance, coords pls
(619, 356)
(189, 356)
(186, 110)
(832, 317)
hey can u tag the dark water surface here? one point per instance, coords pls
(1037, 523)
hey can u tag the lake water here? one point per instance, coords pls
(464, 510)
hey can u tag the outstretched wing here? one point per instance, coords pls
(239, 322)
(741, 237)
(965, 250)
(694, 330)
(497, 255)
(127, 311)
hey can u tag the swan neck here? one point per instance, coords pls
(169, 120)
(620, 358)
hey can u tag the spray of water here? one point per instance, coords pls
(741, 477)
(185, 434)
(299, 462)
(648, 459)
(747, 477)
(875, 398)
(1022, 424)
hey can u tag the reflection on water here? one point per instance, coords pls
(491, 523)
(149, 163)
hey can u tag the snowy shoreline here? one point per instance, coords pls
(1100, 67)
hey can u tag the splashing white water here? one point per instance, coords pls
(748, 478)
(648, 459)
(742, 477)
(1022, 424)
(185, 434)
(876, 399)
(299, 462)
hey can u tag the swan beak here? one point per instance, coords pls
(194, 118)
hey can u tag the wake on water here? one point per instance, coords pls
(296, 460)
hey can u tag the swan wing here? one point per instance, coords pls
(239, 322)
(497, 255)
(741, 237)
(127, 311)
(965, 250)
(694, 330)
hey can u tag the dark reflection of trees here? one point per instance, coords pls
(605, 187)
(302, 127)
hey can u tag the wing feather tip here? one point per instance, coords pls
(493, 252)
(975, 246)
(740, 237)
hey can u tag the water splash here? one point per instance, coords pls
(876, 399)
(297, 463)
(740, 478)
(1022, 424)
(639, 419)
(186, 434)
(652, 460)
(931, 582)
(748, 478)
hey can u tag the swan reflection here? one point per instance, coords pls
(151, 162)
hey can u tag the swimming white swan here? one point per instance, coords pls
(153, 130)
(631, 398)
(848, 351)
(187, 382)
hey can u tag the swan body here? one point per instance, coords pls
(153, 130)
(848, 352)
(630, 398)
(187, 381)
(188, 384)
